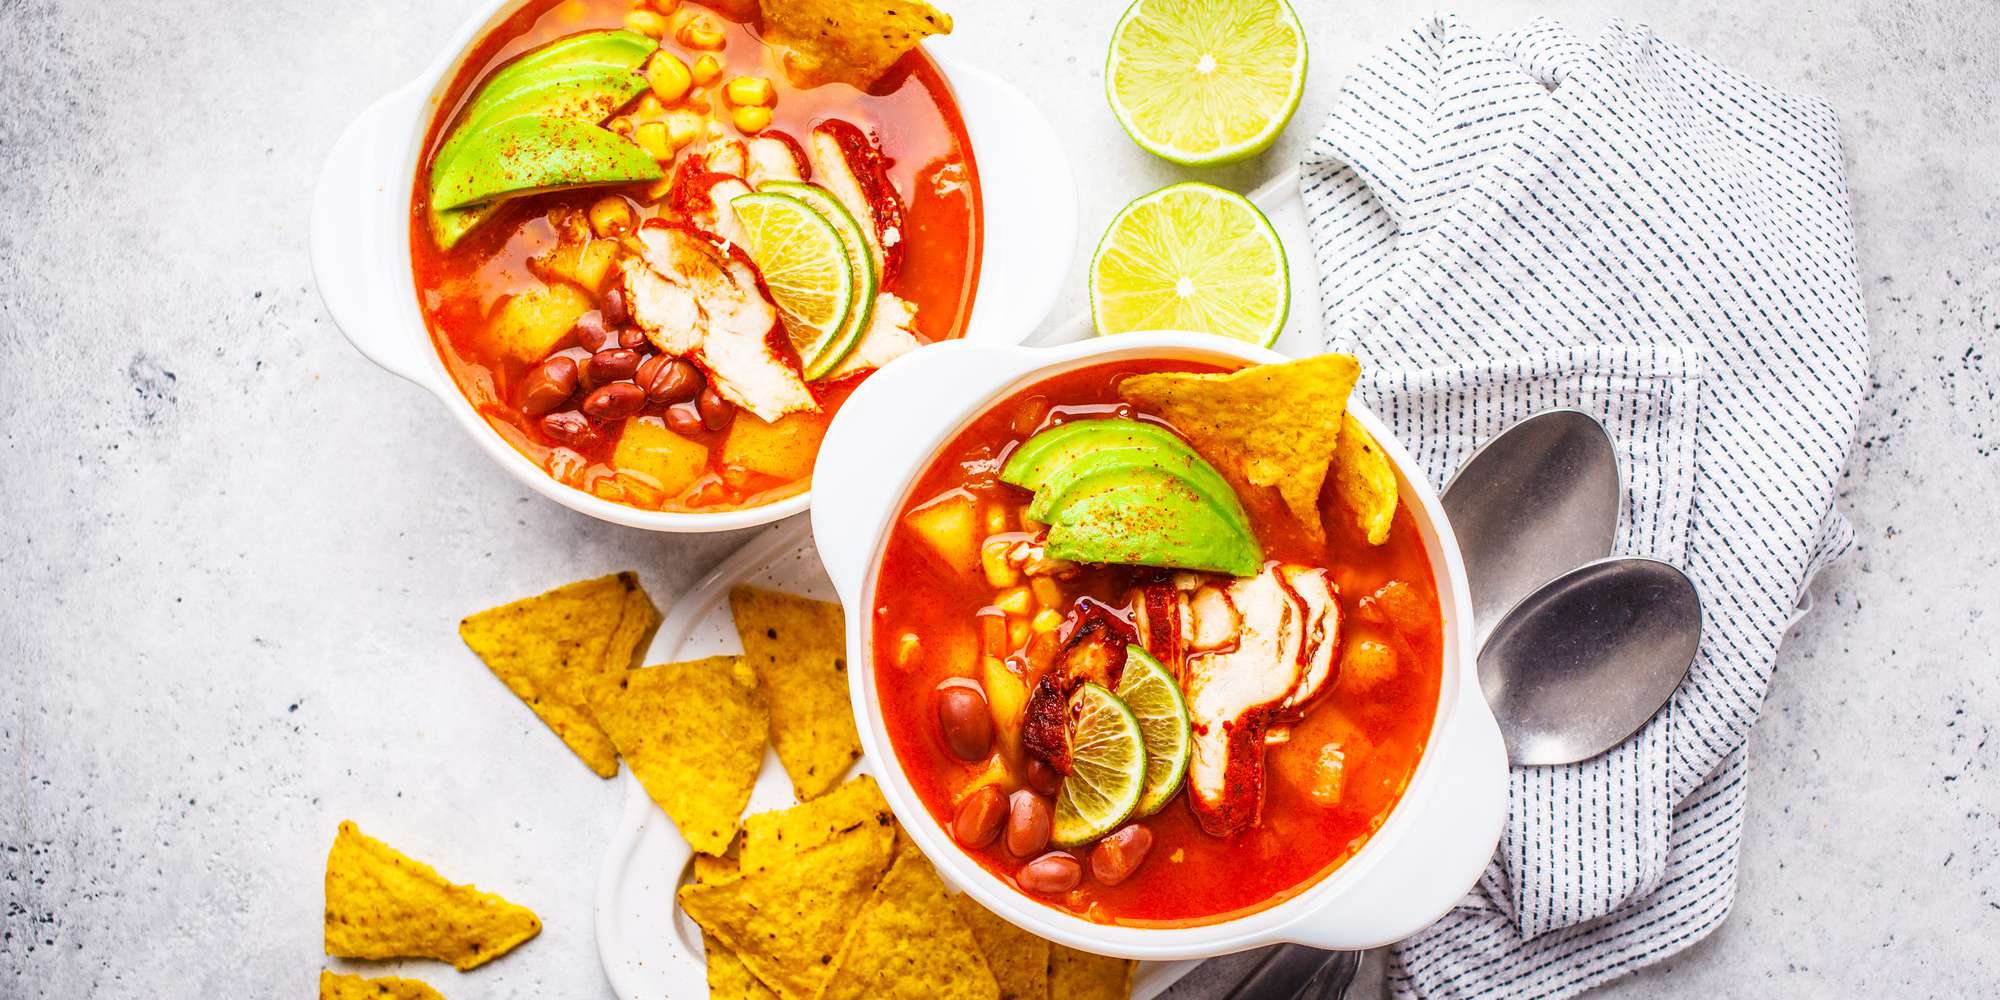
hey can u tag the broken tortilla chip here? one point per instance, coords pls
(773, 837)
(338, 986)
(1079, 975)
(1364, 481)
(381, 903)
(728, 977)
(786, 923)
(1019, 960)
(626, 649)
(693, 733)
(909, 944)
(1265, 425)
(550, 651)
(848, 41)
(798, 647)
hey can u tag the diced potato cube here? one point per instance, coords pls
(1007, 696)
(993, 559)
(1329, 777)
(583, 264)
(1366, 663)
(648, 449)
(996, 772)
(1014, 601)
(784, 448)
(530, 324)
(997, 516)
(1017, 634)
(1046, 620)
(947, 526)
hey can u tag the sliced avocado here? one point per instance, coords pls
(617, 49)
(1141, 515)
(589, 93)
(1176, 458)
(1040, 456)
(523, 156)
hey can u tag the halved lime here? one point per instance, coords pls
(803, 264)
(855, 243)
(1191, 256)
(1206, 81)
(1107, 767)
(1155, 700)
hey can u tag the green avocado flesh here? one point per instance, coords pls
(523, 156)
(1177, 458)
(1145, 516)
(1041, 456)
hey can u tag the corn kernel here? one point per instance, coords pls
(1014, 601)
(621, 125)
(701, 32)
(1017, 633)
(610, 216)
(1047, 594)
(993, 560)
(652, 137)
(659, 189)
(683, 127)
(646, 22)
(907, 645)
(996, 518)
(705, 69)
(751, 120)
(649, 107)
(751, 91)
(668, 76)
(1046, 620)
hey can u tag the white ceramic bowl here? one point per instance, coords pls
(1435, 842)
(361, 252)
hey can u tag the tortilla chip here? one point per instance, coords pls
(848, 41)
(910, 943)
(798, 647)
(728, 977)
(1079, 975)
(550, 651)
(693, 734)
(381, 903)
(1019, 960)
(1266, 425)
(1364, 480)
(773, 837)
(626, 649)
(336, 986)
(785, 924)
(710, 869)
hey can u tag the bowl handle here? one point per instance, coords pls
(360, 235)
(1447, 843)
(882, 434)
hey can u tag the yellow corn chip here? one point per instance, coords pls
(848, 41)
(710, 869)
(728, 977)
(550, 651)
(785, 924)
(798, 647)
(772, 837)
(909, 944)
(626, 648)
(1079, 975)
(1266, 425)
(336, 986)
(693, 734)
(1019, 960)
(381, 903)
(1364, 481)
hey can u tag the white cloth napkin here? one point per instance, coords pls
(1508, 224)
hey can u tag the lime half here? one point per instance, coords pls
(804, 266)
(1191, 256)
(1107, 767)
(859, 259)
(1206, 81)
(1155, 700)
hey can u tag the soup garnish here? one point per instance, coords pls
(1195, 701)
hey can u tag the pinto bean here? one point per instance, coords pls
(668, 380)
(683, 420)
(631, 337)
(1028, 822)
(965, 721)
(590, 331)
(571, 428)
(1051, 873)
(716, 412)
(980, 817)
(615, 401)
(612, 305)
(1042, 777)
(1117, 856)
(613, 364)
(547, 386)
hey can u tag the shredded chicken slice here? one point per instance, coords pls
(1232, 695)
(846, 163)
(694, 301)
(725, 155)
(891, 334)
(1320, 598)
(772, 159)
(710, 212)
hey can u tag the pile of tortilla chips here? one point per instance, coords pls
(828, 900)
(848, 41)
(1283, 426)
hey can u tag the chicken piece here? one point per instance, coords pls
(1232, 695)
(774, 156)
(847, 164)
(1093, 640)
(724, 155)
(707, 208)
(891, 334)
(1316, 593)
(701, 303)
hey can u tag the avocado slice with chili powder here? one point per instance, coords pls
(1143, 515)
(523, 156)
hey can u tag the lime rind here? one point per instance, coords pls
(1107, 768)
(860, 261)
(1153, 57)
(1155, 699)
(801, 258)
(1238, 278)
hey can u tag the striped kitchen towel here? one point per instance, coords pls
(1508, 224)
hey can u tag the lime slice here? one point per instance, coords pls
(1206, 81)
(855, 244)
(1155, 700)
(1107, 767)
(1191, 256)
(803, 264)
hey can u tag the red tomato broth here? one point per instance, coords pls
(910, 113)
(1189, 877)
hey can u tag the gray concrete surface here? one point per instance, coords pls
(232, 551)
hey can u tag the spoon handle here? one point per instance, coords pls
(1299, 972)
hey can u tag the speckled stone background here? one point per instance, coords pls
(232, 551)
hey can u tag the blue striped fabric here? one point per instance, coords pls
(1504, 225)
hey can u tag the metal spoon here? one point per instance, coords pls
(1537, 501)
